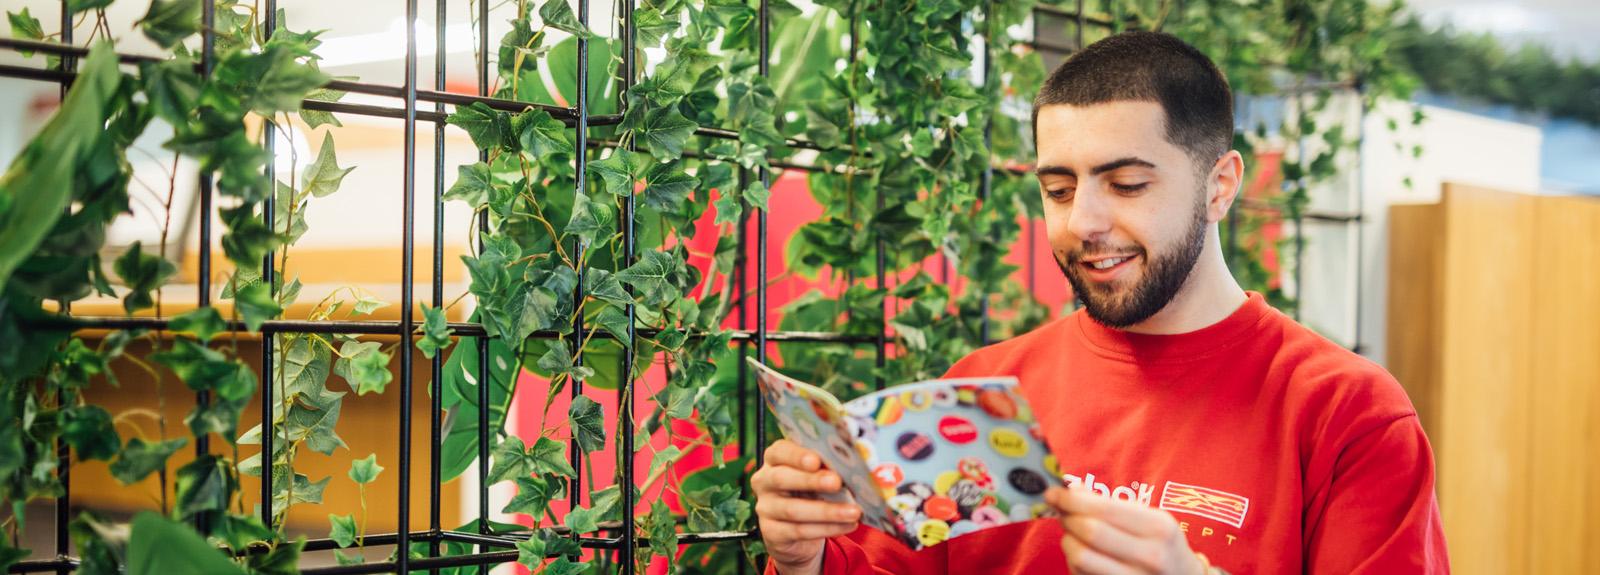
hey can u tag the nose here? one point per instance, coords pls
(1090, 215)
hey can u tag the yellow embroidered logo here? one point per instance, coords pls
(1209, 503)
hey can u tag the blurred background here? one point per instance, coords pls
(1456, 242)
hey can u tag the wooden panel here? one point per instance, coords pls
(1566, 336)
(1416, 270)
(368, 424)
(1483, 404)
(358, 266)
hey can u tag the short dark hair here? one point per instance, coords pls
(1150, 67)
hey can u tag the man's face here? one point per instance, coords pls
(1125, 209)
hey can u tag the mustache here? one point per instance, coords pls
(1097, 248)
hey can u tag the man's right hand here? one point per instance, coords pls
(794, 527)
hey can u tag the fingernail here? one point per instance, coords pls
(847, 513)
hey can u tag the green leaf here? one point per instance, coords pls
(665, 130)
(203, 323)
(533, 496)
(511, 461)
(728, 209)
(564, 566)
(663, 531)
(312, 420)
(558, 14)
(365, 471)
(168, 22)
(590, 219)
(757, 193)
(581, 520)
(435, 331)
(161, 546)
(558, 359)
(550, 456)
(650, 27)
(486, 126)
(204, 484)
(650, 275)
(306, 360)
(11, 555)
(667, 185)
(344, 529)
(142, 273)
(256, 304)
(530, 553)
(542, 135)
(366, 304)
(25, 27)
(323, 176)
(140, 458)
(314, 118)
(602, 284)
(588, 424)
(619, 170)
(474, 185)
(664, 458)
(88, 429)
(615, 321)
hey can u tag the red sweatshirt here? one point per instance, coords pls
(1275, 449)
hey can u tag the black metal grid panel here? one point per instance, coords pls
(623, 540)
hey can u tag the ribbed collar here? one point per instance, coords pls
(1176, 348)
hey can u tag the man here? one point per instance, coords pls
(1200, 429)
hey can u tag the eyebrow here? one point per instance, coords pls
(1097, 170)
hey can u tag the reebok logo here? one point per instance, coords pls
(1135, 491)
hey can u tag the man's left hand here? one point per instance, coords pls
(1110, 537)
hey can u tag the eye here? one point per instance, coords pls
(1060, 194)
(1130, 188)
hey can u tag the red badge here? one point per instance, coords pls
(940, 507)
(888, 475)
(958, 430)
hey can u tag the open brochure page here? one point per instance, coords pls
(941, 458)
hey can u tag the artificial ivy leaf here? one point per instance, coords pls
(650, 275)
(530, 553)
(550, 456)
(542, 135)
(665, 130)
(204, 484)
(366, 304)
(306, 360)
(663, 532)
(365, 471)
(221, 415)
(312, 420)
(203, 323)
(602, 284)
(314, 118)
(564, 566)
(482, 123)
(305, 491)
(510, 461)
(88, 429)
(590, 219)
(757, 193)
(619, 170)
(435, 331)
(142, 273)
(343, 529)
(256, 304)
(650, 27)
(588, 424)
(728, 209)
(558, 359)
(667, 185)
(160, 546)
(172, 87)
(533, 496)
(558, 14)
(25, 27)
(581, 520)
(664, 458)
(615, 320)
(474, 185)
(141, 458)
(323, 175)
(170, 21)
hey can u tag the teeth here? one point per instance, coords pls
(1106, 264)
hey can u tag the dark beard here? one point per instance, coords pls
(1164, 276)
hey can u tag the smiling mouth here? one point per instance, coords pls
(1107, 263)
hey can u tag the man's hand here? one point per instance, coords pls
(1110, 537)
(794, 527)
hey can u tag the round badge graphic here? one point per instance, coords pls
(1036, 431)
(997, 404)
(807, 425)
(1008, 443)
(933, 532)
(890, 411)
(940, 507)
(989, 516)
(823, 412)
(944, 481)
(862, 428)
(1024, 414)
(967, 395)
(965, 493)
(962, 528)
(957, 430)
(863, 407)
(903, 505)
(916, 446)
(867, 454)
(916, 400)
(1026, 481)
(972, 468)
(985, 483)
(943, 397)
(916, 489)
(840, 449)
(1052, 466)
(888, 475)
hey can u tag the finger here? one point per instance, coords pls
(807, 510)
(1112, 542)
(779, 479)
(1127, 516)
(785, 452)
(780, 532)
(1084, 560)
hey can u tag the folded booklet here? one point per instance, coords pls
(925, 461)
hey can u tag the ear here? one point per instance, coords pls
(1222, 185)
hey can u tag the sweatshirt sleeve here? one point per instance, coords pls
(1378, 513)
(867, 551)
